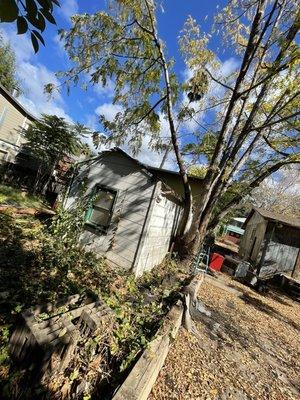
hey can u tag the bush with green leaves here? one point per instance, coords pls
(48, 262)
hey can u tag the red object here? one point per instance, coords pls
(216, 261)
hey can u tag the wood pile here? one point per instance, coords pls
(46, 337)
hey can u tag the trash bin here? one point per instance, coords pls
(216, 261)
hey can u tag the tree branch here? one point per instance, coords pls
(151, 109)
(256, 182)
(217, 81)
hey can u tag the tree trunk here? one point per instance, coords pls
(37, 180)
(190, 244)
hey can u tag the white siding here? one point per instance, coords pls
(11, 121)
(158, 234)
(135, 188)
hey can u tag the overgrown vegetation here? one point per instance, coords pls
(12, 196)
(41, 264)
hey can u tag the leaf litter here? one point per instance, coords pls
(249, 350)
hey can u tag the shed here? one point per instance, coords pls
(132, 210)
(271, 239)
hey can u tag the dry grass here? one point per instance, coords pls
(253, 353)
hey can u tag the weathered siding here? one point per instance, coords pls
(283, 245)
(285, 256)
(160, 229)
(135, 188)
(251, 242)
(11, 119)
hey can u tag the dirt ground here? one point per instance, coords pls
(248, 349)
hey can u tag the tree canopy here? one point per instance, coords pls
(253, 125)
(8, 77)
(51, 138)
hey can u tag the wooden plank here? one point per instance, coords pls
(141, 379)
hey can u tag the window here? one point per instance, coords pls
(101, 206)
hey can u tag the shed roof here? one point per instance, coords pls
(276, 217)
(165, 175)
(5, 93)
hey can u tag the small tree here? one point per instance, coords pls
(8, 67)
(50, 139)
(254, 127)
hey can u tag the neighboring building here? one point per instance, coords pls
(133, 209)
(13, 118)
(271, 239)
(234, 231)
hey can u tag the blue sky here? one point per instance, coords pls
(35, 70)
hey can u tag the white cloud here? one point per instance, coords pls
(33, 76)
(215, 90)
(68, 8)
(146, 154)
(109, 110)
(105, 91)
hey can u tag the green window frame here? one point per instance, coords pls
(101, 207)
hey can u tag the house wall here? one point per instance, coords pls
(159, 232)
(175, 182)
(11, 119)
(135, 189)
(251, 242)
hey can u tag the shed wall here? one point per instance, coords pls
(251, 242)
(135, 189)
(283, 246)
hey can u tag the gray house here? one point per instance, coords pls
(271, 241)
(132, 210)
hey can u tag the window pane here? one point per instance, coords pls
(104, 200)
(99, 217)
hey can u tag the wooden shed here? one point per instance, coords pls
(132, 209)
(271, 239)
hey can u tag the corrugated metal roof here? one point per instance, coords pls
(235, 229)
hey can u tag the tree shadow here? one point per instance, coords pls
(263, 307)
(25, 282)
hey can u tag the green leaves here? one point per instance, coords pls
(34, 42)
(29, 14)
(47, 14)
(8, 11)
(39, 36)
(22, 25)
(8, 67)
(31, 7)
